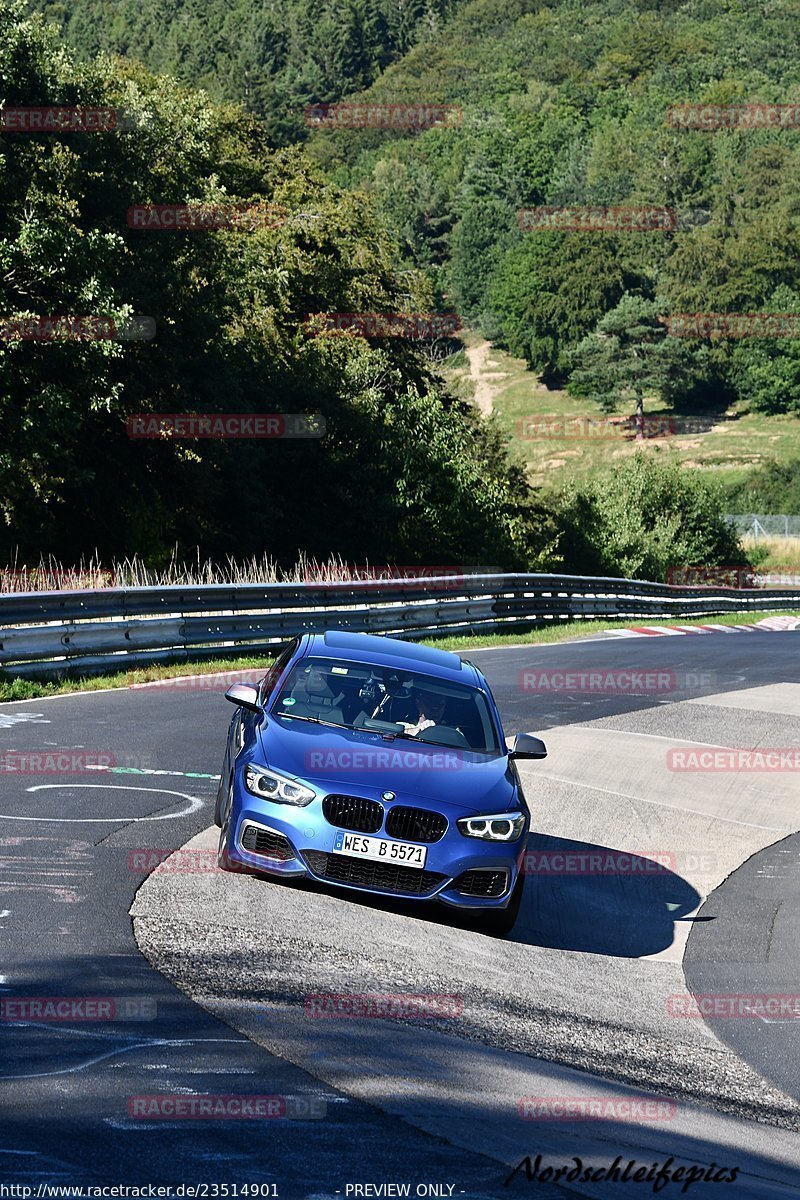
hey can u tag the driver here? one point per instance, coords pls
(430, 709)
(387, 700)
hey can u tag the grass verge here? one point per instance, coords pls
(561, 440)
(32, 689)
(26, 689)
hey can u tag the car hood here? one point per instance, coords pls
(366, 764)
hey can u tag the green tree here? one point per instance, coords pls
(774, 487)
(766, 371)
(230, 310)
(548, 293)
(628, 357)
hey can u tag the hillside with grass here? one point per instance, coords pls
(567, 105)
(560, 437)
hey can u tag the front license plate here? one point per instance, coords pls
(379, 848)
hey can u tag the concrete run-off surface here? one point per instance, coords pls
(574, 1004)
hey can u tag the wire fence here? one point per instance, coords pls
(770, 525)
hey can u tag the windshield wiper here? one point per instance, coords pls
(313, 720)
(415, 737)
(420, 738)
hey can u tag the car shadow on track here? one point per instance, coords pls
(578, 896)
(599, 900)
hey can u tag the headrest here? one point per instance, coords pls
(317, 685)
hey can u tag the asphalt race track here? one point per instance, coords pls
(576, 1003)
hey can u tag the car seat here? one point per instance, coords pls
(314, 698)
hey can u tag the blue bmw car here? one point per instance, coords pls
(379, 765)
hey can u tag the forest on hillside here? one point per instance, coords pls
(560, 105)
(273, 59)
(230, 309)
(564, 104)
(568, 104)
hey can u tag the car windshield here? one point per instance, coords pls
(389, 700)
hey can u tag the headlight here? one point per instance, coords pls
(501, 827)
(269, 785)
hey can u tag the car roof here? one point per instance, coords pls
(391, 652)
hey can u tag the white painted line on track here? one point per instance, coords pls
(9, 720)
(780, 699)
(152, 1043)
(149, 771)
(660, 737)
(195, 802)
(133, 687)
(592, 787)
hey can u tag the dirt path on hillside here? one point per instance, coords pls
(485, 381)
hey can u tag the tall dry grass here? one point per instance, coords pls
(49, 575)
(774, 554)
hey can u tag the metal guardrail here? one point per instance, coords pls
(50, 633)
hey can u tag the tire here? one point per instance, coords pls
(224, 861)
(221, 793)
(499, 922)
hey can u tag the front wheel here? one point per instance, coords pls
(223, 858)
(499, 922)
(225, 778)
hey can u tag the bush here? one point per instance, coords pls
(643, 519)
(773, 488)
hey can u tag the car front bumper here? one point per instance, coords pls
(279, 840)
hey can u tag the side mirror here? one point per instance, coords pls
(245, 696)
(525, 745)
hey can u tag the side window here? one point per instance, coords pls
(277, 668)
